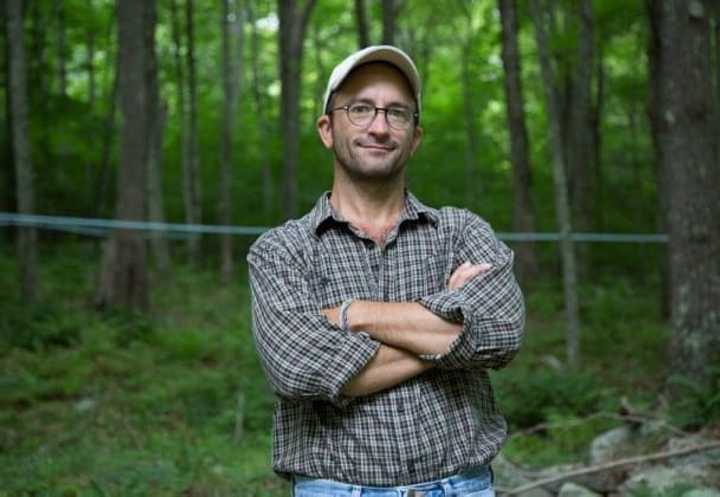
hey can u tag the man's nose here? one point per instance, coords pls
(379, 124)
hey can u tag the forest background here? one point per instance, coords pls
(128, 365)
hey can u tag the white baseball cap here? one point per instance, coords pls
(375, 53)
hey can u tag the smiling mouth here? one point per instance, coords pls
(377, 147)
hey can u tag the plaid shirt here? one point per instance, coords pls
(426, 428)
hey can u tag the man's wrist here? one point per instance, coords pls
(343, 315)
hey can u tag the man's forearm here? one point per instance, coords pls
(404, 325)
(389, 367)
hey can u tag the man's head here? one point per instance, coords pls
(371, 113)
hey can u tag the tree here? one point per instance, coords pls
(293, 26)
(194, 202)
(24, 173)
(124, 278)
(389, 12)
(562, 207)
(686, 136)
(362, 24)
(232, 24)
(523, 208)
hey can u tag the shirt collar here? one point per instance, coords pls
(323, 212)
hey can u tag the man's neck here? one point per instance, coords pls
(372, 206)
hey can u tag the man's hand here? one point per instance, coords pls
(464, 273)
(333, 314)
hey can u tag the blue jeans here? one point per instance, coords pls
(472, 483)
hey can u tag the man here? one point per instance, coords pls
(376, 317)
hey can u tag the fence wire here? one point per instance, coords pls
(101, 228)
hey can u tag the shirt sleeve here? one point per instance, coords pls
(304, 356)
(490, 306)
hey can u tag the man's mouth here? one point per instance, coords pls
(376, 146)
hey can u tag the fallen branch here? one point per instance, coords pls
(657, 456)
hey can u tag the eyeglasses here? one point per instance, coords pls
(361, 115)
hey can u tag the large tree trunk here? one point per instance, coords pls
(124, 279)
(24, 173)
(362, 24)
(562, 207)
(293, 25)
(687, 139)
(193, 173)
(260, 109)
(232, 27)
(523, 209)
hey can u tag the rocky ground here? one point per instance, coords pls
(634, 460)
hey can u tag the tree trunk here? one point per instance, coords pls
(654, 110)
(103, 180)
(193, 174)
(124, 281)
(259, 107)
(293, 25)
(388, 22)
(562, 207)
(687, 138)
(61, 48)
(24, 173)
(232, 27)
(581, 132)
(38, 56)
(156, 115)
(472, 148)
(524, 209)
(362, 24)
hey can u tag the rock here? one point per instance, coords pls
(609, 445)
(658, 479)
(571, 490)
(85, 405)
(702, 492)
(509, 476)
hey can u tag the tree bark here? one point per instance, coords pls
(524, 209)
(562, 207)
(194, 175)
(124, 281)
(260, 116)
(293, 26)
(232, 23)
(362, 24)
(687, 137)
(24, 172)
(388, 22)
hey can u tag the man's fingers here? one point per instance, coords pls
(465, 272)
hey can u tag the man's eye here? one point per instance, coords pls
(400, 114)
(361, 109)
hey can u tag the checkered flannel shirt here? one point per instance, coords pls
(429, 427)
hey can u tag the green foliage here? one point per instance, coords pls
(645, 490)
(698, 404)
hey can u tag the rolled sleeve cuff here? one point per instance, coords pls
(357, 351)
(451, 306)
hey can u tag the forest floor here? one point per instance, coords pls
(98, 404)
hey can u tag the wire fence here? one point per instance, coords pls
(101, 228)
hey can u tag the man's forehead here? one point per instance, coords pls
(363, 75)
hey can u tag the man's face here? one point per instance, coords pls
(376, 151)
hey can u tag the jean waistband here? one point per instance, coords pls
(443, 485)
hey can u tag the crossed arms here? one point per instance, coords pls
(475, 322)
(406, 332)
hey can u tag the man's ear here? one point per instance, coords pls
(416, 139)
(324, 128)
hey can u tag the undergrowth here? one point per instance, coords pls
(98, 404)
